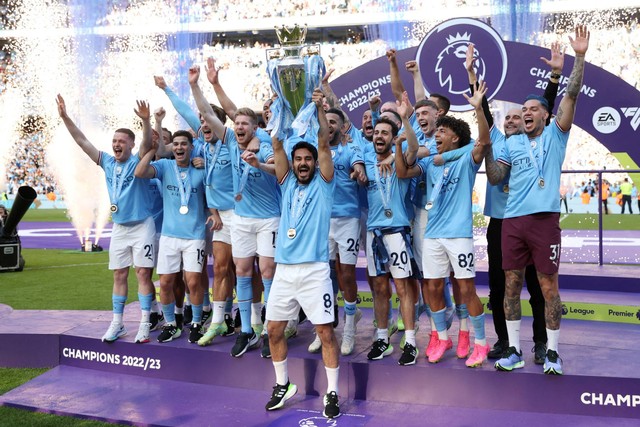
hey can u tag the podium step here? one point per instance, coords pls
(135, 400)
(602, 377)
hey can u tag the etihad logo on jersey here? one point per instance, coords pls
(606, 120)
(634, 114)
(610, 399)
(442, 53)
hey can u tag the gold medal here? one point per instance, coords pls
(428, 206)
(113, 208)
(183, 210)
(388, 213)
(238, 197)
(541, 182)
(505, 189)
(291, 233)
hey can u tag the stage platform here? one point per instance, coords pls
(181, 384)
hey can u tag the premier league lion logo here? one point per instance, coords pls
(318, 422)
(442, 54)
(454, 56)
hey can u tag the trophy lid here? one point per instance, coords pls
(291, 36)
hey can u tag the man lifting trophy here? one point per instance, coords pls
(295, 70)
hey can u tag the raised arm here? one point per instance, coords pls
(567, 107)
(159, 115)
(404, 110)
(324, 151)
(143, 111)
(280, 159)
(331, 97)
(203, 106)
(473, 82)
(212, 75)
(144, 168)
(181, 107)
(76, 133)
(396, 82)
(483, 142)
(556, 63)
(418, 88)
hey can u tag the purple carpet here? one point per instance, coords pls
(178, 383)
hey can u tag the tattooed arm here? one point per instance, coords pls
(496, 171)
(567, 107)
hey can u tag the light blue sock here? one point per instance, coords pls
(206, 300)
(333, 274)
(350, 308)
(478, 326)
(461, 311)
(448, 302)
(228, 305)
(118, 303)
(245, 297)
(145, 301)
(427, 310)
(267, 289)
(197, 313)
(440, 320)
(169, 312)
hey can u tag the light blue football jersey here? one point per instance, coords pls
(307, 210)
(130, 194)
(192, 225)
(260, 195)
(531, 161)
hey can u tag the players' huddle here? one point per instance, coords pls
(285, 219)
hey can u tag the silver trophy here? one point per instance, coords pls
(295, 70)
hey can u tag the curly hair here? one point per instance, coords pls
(459, 127)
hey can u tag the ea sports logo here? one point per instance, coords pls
(606, 120)
(442, 55)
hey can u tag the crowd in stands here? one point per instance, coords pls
(119, 11)
(247, 64)
(27, 166)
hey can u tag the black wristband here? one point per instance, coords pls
(555, 76)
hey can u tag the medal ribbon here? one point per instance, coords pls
(209, 165)
(298, 200)
(245, 173)
(116, 184)
(384, 190)
(436, 189)
(184, 186)
(535, 160)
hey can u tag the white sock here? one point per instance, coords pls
(332, 379)
(187, 299)
(256, 313)
(383, 334)
(282, 372)
(513, 330)
(218, 312)
(117, 317)
(410, 336)
(146, 315)
(464, 324)
(433, 324)
(553, 336)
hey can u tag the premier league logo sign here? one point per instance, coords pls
(442, 54)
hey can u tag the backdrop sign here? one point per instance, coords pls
(608, 107)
